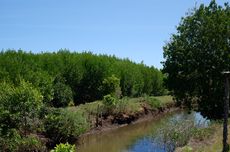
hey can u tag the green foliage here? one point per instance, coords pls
(187, 149)
(32, 83)
(13, 142)
(19, 106)
(43, 82)
(30, 143)
(63, 95)
(109, 101)
(95, 71)
(19, 109)
(177, 133)
(111, 85)
(202, 133)
(153, 102)
(127, 106)
(62, 125)
(9, 140)
(89, 76)
(196, 55)
(64, 148)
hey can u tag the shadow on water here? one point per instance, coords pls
(140, 137)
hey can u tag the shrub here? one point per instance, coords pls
(19, 106)
(43, 82)
(63, 95)
(9, 140)
(64, 148)
(30, 143)
(13, 142)
(63, 125)
(202, 133)
(187, 149)
(111, 85)
(109, 101)
(175, 134)
(153, 102)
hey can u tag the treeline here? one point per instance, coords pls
(66, 77)
(33, 87)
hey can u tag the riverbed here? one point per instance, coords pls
(139, 137)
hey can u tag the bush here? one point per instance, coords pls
(64, 148)
(153, 102)
(63, 95)
(19, 107)
(13, 142)
(43, 82)
(202, 133)
(9, 140)
(31, 143)
(63, 125)
(175, 134)
(111, 85)
(109, 101)
(187, 149)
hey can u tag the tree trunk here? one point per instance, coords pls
(226, 109)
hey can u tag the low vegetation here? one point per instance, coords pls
(117, 107)
(62, 125)
(64, 148)
(178, 134)
(210, 139)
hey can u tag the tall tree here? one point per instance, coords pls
(197, 54)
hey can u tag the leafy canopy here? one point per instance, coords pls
(197, 54)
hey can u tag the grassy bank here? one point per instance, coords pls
(211, 143)
(62, 125)
(125, 105)
(123, 110)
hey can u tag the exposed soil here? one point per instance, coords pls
(110, 122)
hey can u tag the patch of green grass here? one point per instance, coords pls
(124, 105)
(128, 106)
(158, 101)
(202, 133)
(165, 99)
(154, 102)
(91, 108)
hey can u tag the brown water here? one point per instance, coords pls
(134, 137)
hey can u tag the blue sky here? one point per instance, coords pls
(134, 29)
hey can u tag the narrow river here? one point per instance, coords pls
(140, 137)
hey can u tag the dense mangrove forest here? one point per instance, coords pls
(68, 101)
(36, 90)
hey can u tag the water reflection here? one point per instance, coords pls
(136, 137)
